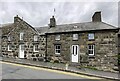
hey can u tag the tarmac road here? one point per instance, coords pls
(18, 71)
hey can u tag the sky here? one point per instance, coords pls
(38, 13)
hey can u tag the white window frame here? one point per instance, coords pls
(9, 47)
(21, 35)
(35, 38)
(9, 38)
(57, 37)
(91, 36)
(75, 36)
(34, 48)
(91, 49)
(56, 49)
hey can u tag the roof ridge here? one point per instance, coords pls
(73, 23)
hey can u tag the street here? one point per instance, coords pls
(18, 71)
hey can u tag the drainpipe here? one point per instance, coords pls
(46, 49)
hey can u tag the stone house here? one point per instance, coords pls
(21, 40)
(94, 43)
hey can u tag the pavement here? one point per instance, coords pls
(62, 67)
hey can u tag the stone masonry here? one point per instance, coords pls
(105, 48)
(18, 26)
(106, 42)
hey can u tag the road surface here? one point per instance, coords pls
(18, 71)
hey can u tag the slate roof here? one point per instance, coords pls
(86, 26)
(6, 28)
(42, 30)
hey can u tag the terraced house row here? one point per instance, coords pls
(93, 43)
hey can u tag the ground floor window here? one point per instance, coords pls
(9, 47)
(57, 49)
(35, 48)
(91, 50)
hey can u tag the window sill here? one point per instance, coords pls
(57, 53)
(91, 56)
(10, 50)
(91, 39)
(75, 40)
(36, 51)
(57, 40)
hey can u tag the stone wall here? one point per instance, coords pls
(28, 41)
(105, 48)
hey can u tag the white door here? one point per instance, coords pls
(21, 51)
(75, 52)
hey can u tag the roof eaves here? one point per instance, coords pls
(109, 25)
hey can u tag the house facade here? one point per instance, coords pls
(89, 44)
(20, 40)
(94, 43)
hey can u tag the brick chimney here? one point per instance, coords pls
(52, 22)
(96, 17)
(17, 19)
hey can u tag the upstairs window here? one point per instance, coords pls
(91, 50)
(57, 37)
(35, 48)
(75, 36)
(91, 36)
(9, 47)
(35, 38)
(57, 49)
(9, 38)
(21, 35)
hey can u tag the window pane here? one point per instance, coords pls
(75, 36)
(57, 49)
(22, 47)
(73, 49)
(89, 46)
(21, 36)
(91, 50)
(9, 47)
(9, 38)
(35, 38)
(76, 50)
(91, 36)
(57, 37)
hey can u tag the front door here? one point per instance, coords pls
(75, 52)
(21, 51)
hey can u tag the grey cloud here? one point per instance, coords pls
(38, 13)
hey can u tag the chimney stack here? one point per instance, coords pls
(52, 22)
(96, 17)
(17, 19)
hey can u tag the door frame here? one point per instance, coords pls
(78, 52)
(20, 46)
